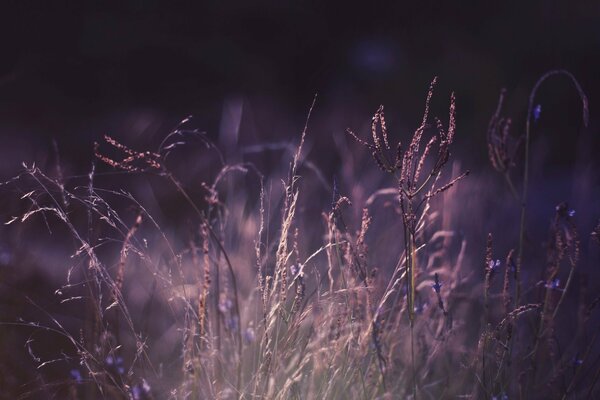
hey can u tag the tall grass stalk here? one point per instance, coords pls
(524, 193)
(414, 191)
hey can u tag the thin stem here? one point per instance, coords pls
(585, 356)
(216, 239)
(511, 186)
(564, 292)
(530, 107)
(412, 355)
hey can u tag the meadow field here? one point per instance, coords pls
(385, 266)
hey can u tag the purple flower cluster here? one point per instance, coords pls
(115, 364)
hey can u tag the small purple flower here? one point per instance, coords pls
(555, 284)
(294, 269)
(140, 391)
(537, 112)
(225, 305)
(494, 265)
(76, 375)
(136, 392)
(577, 362)
(119, 365)
(564, 211)
(116, 363)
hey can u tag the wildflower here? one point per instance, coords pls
(140, 391)
(225, 305)
(564, 211)
(294, 269)
(76, 375)
(116, 363)
(136, 392)
(554, 284)
(119, 365)
(537, 111)
(493, 267)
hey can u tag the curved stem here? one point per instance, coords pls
(526, 166)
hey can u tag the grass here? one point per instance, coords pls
(250, 295)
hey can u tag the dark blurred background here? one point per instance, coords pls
(73, 72)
